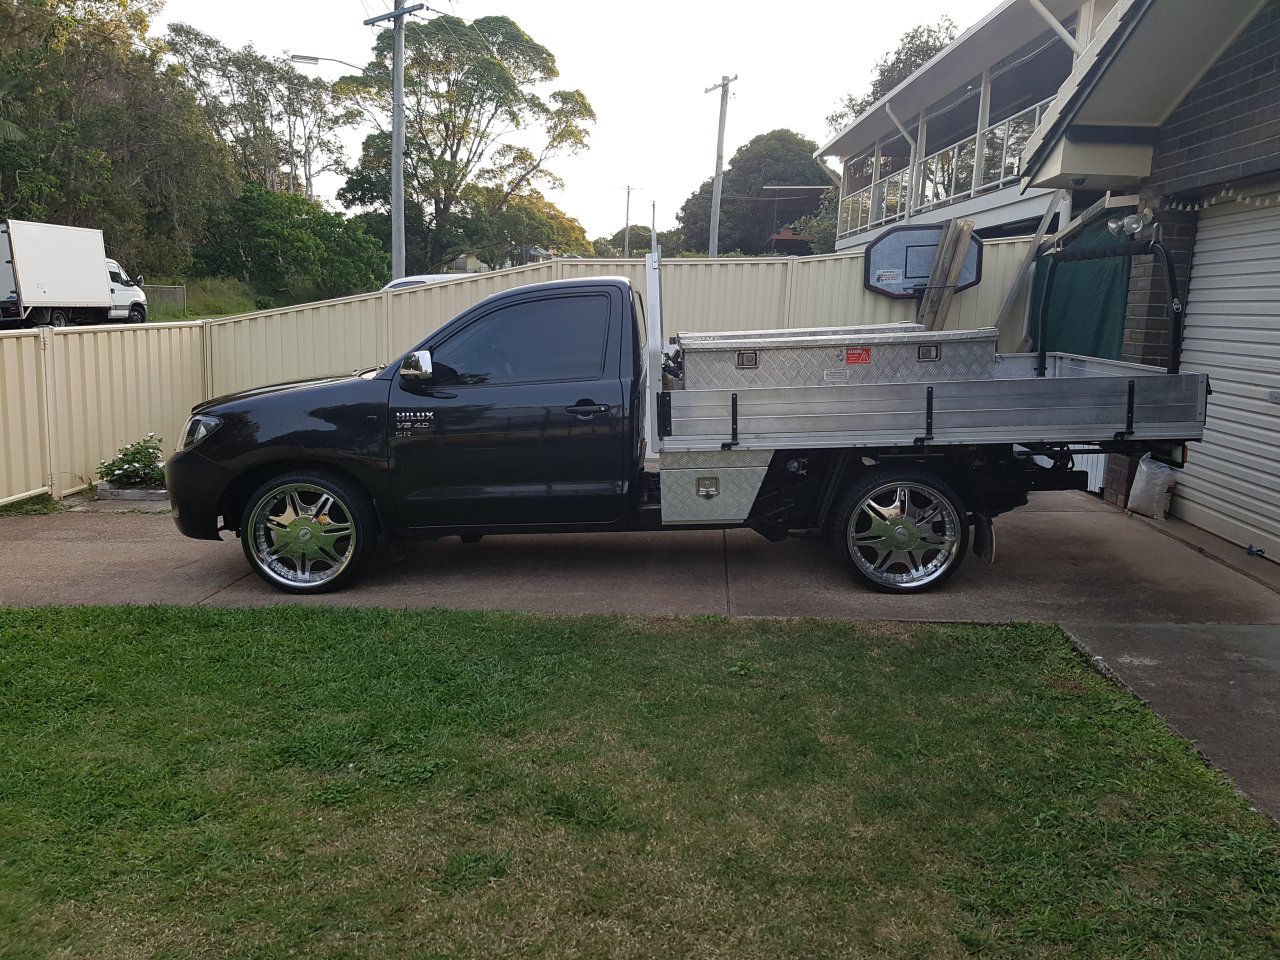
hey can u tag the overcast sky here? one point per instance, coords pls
(644, 68)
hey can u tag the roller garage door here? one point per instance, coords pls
(1231, 487)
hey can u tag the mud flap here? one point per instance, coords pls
(984, 538)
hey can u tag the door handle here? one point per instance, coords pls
(586, 409)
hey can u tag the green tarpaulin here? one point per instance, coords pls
(1089, 296)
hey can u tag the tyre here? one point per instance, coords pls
(307, 531)
(137, 314)
(59, 318)
(901, 530)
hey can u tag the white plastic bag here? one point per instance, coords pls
(1152, 488)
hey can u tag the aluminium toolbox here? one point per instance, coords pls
(884, 353)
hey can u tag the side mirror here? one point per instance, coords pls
(137, 281)
(417, 366)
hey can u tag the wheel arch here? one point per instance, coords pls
(236, 496)
(944, 464)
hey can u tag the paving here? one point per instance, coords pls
(1197, 637)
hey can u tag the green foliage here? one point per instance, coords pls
(915, 48)
(37, 506)
(281, 125)
(466, 86)
(519, 224)
(821, 224)
(139, 464)
(109, 136)
(283, 243)
(218, 296)
(780, 157)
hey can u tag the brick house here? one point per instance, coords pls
(1178, 101)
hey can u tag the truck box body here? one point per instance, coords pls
(889, 353)
(55, 266)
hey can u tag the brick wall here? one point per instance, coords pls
(1227, 129)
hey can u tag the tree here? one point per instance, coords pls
(780, 157)
(467, 86)
(821, 224)
(525, 222)
(287, 244)
(110, 138)
(282, 127)
(10, 111)
(915, 48)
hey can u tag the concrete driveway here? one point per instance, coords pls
(1197, 638)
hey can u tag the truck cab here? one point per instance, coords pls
(128, 299)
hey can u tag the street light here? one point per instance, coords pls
(304, 58)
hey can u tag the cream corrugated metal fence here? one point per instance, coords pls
(24, 427)
(73, 397)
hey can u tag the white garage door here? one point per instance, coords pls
(1232, 485)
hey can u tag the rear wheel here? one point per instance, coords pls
(59, 318)
(307, 531)
(902, 531)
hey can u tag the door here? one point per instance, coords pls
(121, 291)
(522, 422)
(1231, 486)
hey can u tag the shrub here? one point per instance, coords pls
(138, 464)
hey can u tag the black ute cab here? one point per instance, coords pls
(531, 419)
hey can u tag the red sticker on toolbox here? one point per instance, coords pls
(854, 355)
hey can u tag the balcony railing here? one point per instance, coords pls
(988, 160)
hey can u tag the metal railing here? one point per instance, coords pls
(986, 161)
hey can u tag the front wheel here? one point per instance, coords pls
(137, 314)
(902, 531)
(307, 531)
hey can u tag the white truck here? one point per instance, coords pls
(55, 275)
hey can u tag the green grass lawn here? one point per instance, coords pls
(335, 783)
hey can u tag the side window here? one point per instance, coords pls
(557, 339)
(114, 274)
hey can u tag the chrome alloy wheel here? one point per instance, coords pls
(302, 535)
(904, 535)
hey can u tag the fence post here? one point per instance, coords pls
(384, 328)
(788, 293)
(206, 359)
(49, 377)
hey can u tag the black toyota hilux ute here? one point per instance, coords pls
(551, 408)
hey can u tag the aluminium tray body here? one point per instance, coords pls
(1080, 401)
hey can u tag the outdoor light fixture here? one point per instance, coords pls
(303, 58)
(1130, 225)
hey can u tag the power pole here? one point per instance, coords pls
(626, 231)
(397, 132)
(713, 245)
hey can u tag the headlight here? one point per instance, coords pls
(198, 427)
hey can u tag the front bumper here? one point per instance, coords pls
(196, 485)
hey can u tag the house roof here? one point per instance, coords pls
(1001, 32)
(1145, 58)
